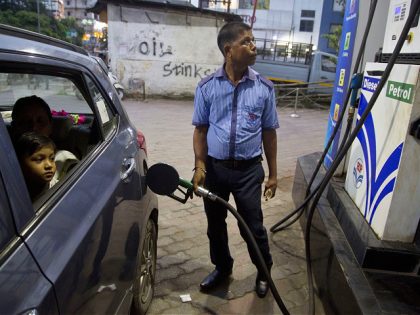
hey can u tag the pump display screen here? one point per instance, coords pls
(399, 12)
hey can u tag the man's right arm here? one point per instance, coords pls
(200, 153)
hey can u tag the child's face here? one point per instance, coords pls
(40, 166)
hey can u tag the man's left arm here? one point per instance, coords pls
(269, 138)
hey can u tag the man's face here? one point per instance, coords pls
(243, 51)
(33, 118)
(40, 167)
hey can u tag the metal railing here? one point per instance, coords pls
(284, 51)
(303, 95)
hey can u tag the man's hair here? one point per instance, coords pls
(230, 32)
(30, 142)
(24, 102)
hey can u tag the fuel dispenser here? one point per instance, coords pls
(383, 169)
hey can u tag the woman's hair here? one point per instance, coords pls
(30, 142)
(229, 33)
(23, 102)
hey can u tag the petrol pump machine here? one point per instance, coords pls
(383, 175)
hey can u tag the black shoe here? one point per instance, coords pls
(261, 286)
(214, 279)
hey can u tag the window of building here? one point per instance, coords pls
(68, 3)
(306, 25)
(68, 13)
(338, 6)
(307, 21)
(307, 13)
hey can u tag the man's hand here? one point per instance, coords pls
(270, 185)
(198, 178)
(200, 153)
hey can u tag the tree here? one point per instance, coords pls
(334, 38)
(18, 5)
(23, 14)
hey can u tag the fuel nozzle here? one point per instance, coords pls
(355, 85)
(163, 179)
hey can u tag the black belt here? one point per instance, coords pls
(237, 164)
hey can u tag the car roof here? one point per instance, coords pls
(16, 39)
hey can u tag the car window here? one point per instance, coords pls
(107, 117)
(75, 123)
(328, 64)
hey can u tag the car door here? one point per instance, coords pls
(86, 230)
(23, 287)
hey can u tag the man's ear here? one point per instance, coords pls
(227, 49)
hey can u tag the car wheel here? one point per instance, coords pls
(143, 286)
(120, 93)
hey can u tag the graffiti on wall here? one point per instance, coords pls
(157, 56)
(149, 48)
(186, 70)
(154, 48)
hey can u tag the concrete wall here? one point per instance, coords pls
(170, 50)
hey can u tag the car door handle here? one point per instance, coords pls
(324, 78)
(128, 167)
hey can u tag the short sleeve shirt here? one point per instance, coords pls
(235, 115)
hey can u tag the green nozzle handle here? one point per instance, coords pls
(185, 183)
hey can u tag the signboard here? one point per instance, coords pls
(342, 76)
(249, 4)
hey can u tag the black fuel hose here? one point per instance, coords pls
(263, 267)
(415, 5)
(309, 195)
(301, 209)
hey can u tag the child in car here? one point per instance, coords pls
(32, 113)
(36, 154)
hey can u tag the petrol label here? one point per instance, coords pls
(400, 91)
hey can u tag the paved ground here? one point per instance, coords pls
(183, 255)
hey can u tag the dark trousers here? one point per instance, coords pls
(244, 183)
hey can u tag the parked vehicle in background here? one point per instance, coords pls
(112, 77)
(88, 244)
(297, 64)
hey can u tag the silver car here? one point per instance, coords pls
(87, 245)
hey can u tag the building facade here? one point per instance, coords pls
(282, 20)
(287, 21)
(79, 9)
(56, 7)
(168, 47)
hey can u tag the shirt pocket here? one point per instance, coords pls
(252, 116)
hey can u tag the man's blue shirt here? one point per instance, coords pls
(235, 116)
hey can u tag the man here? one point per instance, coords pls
(234, 113)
